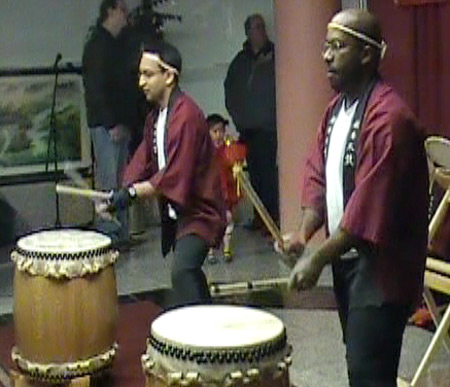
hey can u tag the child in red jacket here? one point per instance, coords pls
(229, 152)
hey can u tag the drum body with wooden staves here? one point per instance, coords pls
(217, 345)
(65, 304)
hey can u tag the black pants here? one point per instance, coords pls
(373, 339)
(372, 334)
(262, 167)
(189, 283)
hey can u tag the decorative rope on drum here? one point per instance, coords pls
(59, 372)
(63, 254)
(195, 378)
(63, 266)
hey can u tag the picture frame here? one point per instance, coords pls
(26, 123)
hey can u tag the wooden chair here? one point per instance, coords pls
(437, 278)
(437, 272)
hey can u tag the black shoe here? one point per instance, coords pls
(122, 245)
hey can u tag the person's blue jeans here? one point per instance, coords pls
(110, 161)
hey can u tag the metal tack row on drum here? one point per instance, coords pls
(66, 312)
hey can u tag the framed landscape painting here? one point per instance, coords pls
(26, 123)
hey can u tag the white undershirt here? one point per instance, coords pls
(160, 134)
(334, 166)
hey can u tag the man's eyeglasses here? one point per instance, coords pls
(334, 46)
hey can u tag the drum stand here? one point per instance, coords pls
(20, 380)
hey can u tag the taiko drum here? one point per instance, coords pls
(65, 304)
(217, 345)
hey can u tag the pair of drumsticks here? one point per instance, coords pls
(83, 190)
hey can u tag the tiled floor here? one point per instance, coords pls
(318, 354)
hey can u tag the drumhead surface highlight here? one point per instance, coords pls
(63, 241)
(217, 326)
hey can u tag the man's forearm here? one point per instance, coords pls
(144, 189)
(334, 246)
(310, 223)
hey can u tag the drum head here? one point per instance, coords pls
(217, 326)
(438, 151)
(65, 241)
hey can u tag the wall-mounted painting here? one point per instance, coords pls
(26, 123)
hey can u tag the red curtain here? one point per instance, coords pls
(418, 58)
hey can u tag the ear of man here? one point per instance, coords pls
(369, 55)
(170, 78)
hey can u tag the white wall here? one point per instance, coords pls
(210, 35)
(32, 32)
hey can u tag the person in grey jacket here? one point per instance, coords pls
(250, 101)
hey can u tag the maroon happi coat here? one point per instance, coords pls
(190, 181)
(388, 206)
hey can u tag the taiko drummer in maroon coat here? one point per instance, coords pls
(175, 162)
(366, 181)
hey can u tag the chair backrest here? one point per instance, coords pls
(437, 271)
(438, 153)
(437, 275)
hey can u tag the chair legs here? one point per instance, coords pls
(440, 334)
(435, 314)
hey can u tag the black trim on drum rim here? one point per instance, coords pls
(223, 355)
(63, 256)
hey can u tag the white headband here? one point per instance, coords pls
(163, 64)
(359, 35)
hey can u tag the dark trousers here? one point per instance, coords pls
(262, 167)
(373, 334)
(373, 342)
(189, 283)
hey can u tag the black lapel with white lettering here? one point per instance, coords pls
(350, 161)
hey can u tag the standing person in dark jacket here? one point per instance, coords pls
(250, 100)
(107, 108)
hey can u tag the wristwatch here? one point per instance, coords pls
(132, 192)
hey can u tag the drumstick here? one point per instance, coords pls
(76, 178)
(89, 193)
(257, 203)
(246, 287)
